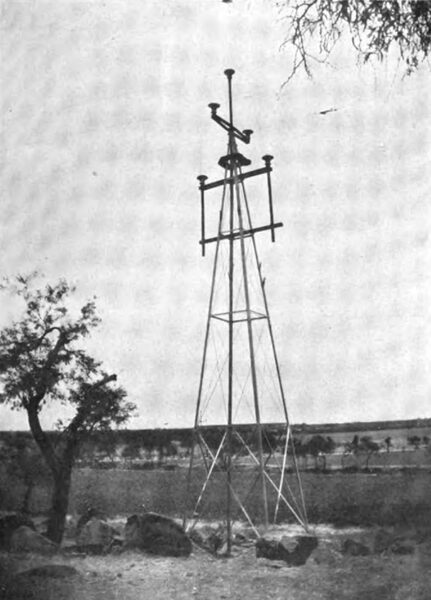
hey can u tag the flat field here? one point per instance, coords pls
(395, 498)
(342, 498)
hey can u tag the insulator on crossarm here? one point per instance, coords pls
(202, 179)
(214, 106)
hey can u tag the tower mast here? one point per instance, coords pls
(223, 454)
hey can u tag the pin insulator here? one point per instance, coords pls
(213, 106)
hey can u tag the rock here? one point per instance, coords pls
(396, 543)
(223, 551)
(289, 543)
(209, 538)
(90, 513)
(325, 555)
(156, 534)
(294, 551)
(8, 524)
(271, 549)
(25, 539)
(355, 548)
(95, 537)
(383, 541)
(403, 547)
(305, 544)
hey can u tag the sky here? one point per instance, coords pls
(104, 128)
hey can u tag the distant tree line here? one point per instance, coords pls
(21, 461)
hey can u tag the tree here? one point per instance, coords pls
(368, 447)
(415, 441)
(319, 446)
(299, 448)
(41, 362)
(374, 26)
(388, 443)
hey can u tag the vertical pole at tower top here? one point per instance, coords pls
(229, 73)
(235, 191)
(220, 452)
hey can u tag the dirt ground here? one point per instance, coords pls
(328, 574)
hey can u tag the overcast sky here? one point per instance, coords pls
(105, 127)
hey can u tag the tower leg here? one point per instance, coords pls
(252, 362)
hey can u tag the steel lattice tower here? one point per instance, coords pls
(245, 455)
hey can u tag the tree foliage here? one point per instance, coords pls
(41, 362)
(374, 26)
(414, 440)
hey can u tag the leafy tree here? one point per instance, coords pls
(388, 443)
(368, 447)
(319, 446)
(41, 362)
(374, 26)
(414, 440)
(360, 447)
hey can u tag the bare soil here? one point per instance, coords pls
(328, 575)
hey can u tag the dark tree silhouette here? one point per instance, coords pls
(415, 441)
(41, 362)
(319, 447)
(388, 443)
(374, 26)
(368, 447)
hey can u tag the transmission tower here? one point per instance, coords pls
(242, 439)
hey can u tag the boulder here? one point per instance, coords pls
(90, 513)
(326, 555)
(403, 547)
(209, 538)
(25, 539)
(156, 534)
(8, 524)
(289, 543)
(95, 536)
(398, 543)
(293, 551)
(355, 548)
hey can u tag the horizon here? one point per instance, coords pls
(403, 422)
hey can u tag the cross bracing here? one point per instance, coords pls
(240, 386)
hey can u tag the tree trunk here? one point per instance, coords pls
(59, 504)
